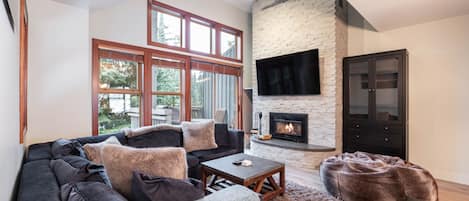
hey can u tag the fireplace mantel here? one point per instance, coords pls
(293, 145)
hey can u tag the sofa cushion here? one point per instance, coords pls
(205, 155)
(64, 147)
(96, 139)
(221, 135)
(155, 136)
(65, 173)
(89, 191)
(39, 152)
(192, 160)
(38, 182)
(76, 161)
(199, 135)
(121, 161)
(154, 188)
(93, 150)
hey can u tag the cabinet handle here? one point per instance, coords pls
(357, 136)
(370, 90)
(386, 139)
(386, 128)
(357, 126)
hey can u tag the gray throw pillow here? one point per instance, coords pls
(89, 191)
(149, 188)
(64, 147)
(199, 135)
(65, 173)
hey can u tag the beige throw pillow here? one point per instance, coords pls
(121, 161)
(199, 135)
(93, 150)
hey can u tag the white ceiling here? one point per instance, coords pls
(92, 4)
(245, 5)
(391, 14)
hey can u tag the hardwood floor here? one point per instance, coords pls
(447, 191)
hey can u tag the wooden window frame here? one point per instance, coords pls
(146, 84)
(105, 52)
(211, 27)
(23, 78)
(222, 68)
(180, 93)
(187, 16)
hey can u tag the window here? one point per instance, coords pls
(201, 37)
(119, 91)
(167, 90)
(136, 86)
(228, 45)
(167, 28)
(214, 93)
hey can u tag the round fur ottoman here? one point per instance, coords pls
(370, 177)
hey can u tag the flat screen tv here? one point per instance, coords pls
(292, 74)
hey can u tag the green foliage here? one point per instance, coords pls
(167, 80)
(161, 31)
(118, 73)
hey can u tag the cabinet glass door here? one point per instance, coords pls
(358, 90)
(387, 89)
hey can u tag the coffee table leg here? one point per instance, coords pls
(282, 181)
(204, 178)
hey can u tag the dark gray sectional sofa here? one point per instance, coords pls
(38, 181)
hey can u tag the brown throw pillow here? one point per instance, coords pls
(199, 135)
(121, 161)
(93, 150)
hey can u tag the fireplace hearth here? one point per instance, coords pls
(289, 126)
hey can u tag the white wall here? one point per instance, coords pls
(59, 99)
(439, 110)
(126, 22)
(59, 102)
(11, 152)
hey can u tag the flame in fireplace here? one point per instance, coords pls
(289, 127)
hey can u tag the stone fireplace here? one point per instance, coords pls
(289, 126)
(289, 27)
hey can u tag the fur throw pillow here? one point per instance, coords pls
(199, 135)
(148, 129)
(93, 150)
(121, 161)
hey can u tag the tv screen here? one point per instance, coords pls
(293, 74)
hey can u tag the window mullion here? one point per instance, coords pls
(147, 89)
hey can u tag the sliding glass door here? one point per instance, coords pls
(214, 93)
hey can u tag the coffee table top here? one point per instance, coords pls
(258, 168)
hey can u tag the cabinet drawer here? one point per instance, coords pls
(391, 141)
(356, 125)
(389, 129)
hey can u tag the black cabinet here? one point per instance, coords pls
(375, 103)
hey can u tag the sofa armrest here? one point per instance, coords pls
(236, 139)
(232, 193)
(197, 183)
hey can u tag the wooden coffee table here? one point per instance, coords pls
(257, 177)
